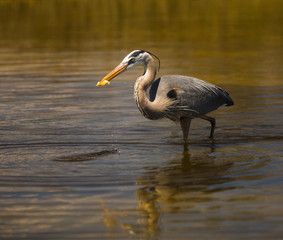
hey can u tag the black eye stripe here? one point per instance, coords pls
(136, 53)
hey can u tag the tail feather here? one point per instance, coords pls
(229, 100)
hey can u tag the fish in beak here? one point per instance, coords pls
(115, 72)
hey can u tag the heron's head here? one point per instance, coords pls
(136, 57)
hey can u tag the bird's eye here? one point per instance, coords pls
(132, 60)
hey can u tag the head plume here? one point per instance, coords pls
(153, 55)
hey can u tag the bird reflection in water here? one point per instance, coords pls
(178, 187)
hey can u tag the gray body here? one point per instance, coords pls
(194, 97)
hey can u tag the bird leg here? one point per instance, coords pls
(212, 122)
(185, 125)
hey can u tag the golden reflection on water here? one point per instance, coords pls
(233, 42)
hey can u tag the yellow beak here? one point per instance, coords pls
(116, 71)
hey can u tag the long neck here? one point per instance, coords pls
(152, 110)
(149, 73)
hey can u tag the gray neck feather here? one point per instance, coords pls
(152, 110)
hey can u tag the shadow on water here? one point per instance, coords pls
(85, 156)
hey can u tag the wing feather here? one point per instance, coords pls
(194, 97)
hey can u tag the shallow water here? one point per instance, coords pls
(81, 162)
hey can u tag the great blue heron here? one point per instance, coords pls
(176, 97)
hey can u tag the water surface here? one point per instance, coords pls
(81, 162)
